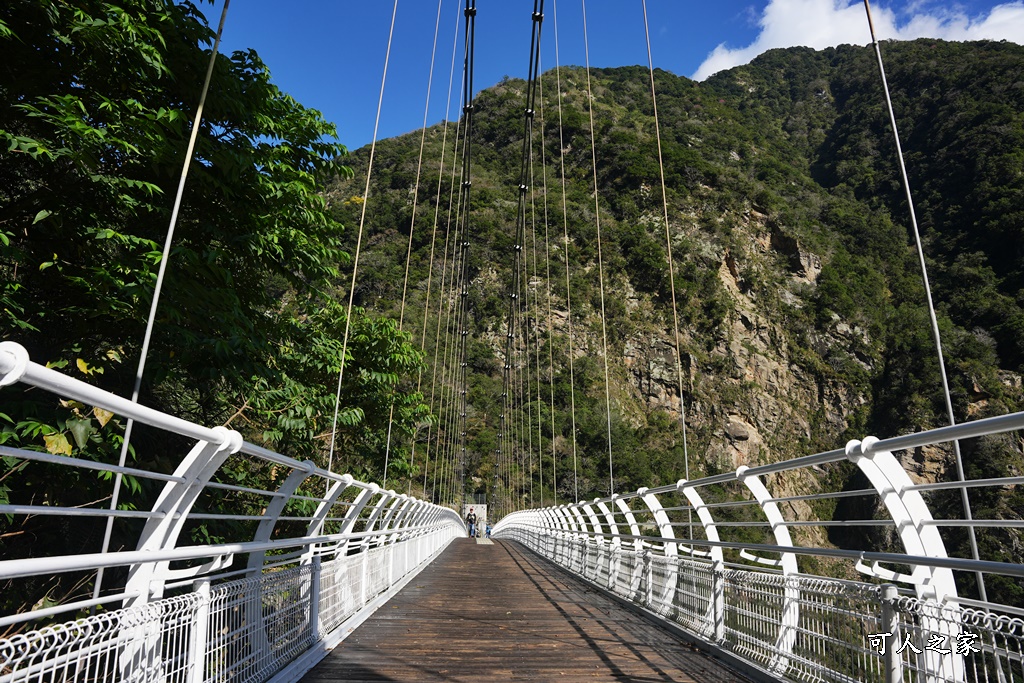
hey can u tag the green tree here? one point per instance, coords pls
(92, 139)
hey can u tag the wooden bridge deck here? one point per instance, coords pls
(490, 612)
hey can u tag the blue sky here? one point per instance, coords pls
(329, 54)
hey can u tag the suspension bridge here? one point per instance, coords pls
(343, 580)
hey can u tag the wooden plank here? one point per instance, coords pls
(495, 612)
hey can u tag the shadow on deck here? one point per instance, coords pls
(485, 612)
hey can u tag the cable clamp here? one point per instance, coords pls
(467, 108)
(469, 11)
(529, 113)
(538, 17)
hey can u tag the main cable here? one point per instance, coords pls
(467, 147)
(515, 287)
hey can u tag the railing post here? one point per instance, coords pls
(314, 599)
(892, 661)
(200, 631)
(785, 639)
(664, 603)
(718, 602)
(648, 576)
(716, 610)
(364, 571)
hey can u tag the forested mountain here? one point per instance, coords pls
(801, 300)
(801, 305)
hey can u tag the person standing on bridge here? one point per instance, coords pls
(471, 523)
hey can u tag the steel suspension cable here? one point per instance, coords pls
(412, 228)
(547, 282)
(447, 285)
(165, 258)
(600, 260)
(936, 335)
(430, 262)
(536, 313)
(525, 418)
(359, 240)
(443, 470)
(430, 266)
(527, 374)
(671, 263)
(449, 365)
(568, 285)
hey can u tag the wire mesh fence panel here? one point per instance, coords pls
(947, 642)
(602, 565)
(753, 614)
(147, 643)
(341, 590)
(833, 630)
(378, 571)
(693, 592)
(628, 575)
(661, 585)
(258, 625)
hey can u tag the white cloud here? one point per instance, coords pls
(827, 23)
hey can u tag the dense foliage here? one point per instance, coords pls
(249, 328)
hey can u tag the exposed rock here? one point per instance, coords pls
(742, 445)
(802, 264)
(1010, 379)
(926, 465)
(737, 431)
(977, 409)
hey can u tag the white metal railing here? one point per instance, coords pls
(717, 557)
(314, 553)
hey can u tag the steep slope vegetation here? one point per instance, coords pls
(801, 301)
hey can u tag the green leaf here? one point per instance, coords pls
(81, 429)
(42, 215)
